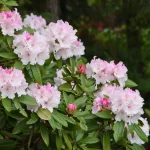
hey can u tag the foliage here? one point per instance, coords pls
(59, 129)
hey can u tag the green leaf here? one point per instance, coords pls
(137, 147)
(36, 74)
(80, 101)
(19, 65)
(7, 104)
(67, 141)
(65, 87)
(140, 133)
(59, 63)
(58, 117)
(28, 100)
(83, 124)
(33, 119)
(106, 141)
(105, 114)
(129, 83)
(8, 55)
(44, 114)
(118, 130)
(44, 133)
(20, 127)
(7, 144)
(52, 122)
(89, 140)
(59, 142)
(66, 98)
(79, 135)
(72, 63)
(11, 3)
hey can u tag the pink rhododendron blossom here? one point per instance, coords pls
(100, 104)
(71, 108)
(82, 69)
(31, 49)
(62, 40)
(12, 81)
(10, 21)
(46, 96)
(34, 22)
(126, 104)
(135, 138)
(104, 72)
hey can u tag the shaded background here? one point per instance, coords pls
(110, 29)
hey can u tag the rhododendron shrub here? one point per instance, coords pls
(52, 98)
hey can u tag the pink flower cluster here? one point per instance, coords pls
(62, 40)
(100, 104)
(126, 104)
(31, 48)
(47, 96)
(12, 81)
(104, 72)
(10, 21)
(34, 22)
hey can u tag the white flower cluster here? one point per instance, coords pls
(34, 22)
(31, 48)
(12, 81)
(62, 40)
(104, 72)
(10, 21)
(47, 96)
(125, 104)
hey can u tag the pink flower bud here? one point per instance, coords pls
(71, 108)
(82, 68)
(105, 102)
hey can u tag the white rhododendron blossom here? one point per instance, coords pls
(34, 21)
(104, 72)
(10, 21)
(62, 40)
(46, 96)
(135, 138)
(59, 78)
(12, 81)
(31, 49)
(125, 104)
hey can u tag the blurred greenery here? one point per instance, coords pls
(110, 29)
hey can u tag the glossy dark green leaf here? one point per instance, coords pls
(36, 74)
(33, 119)
(80, 101)
(118, 130)
(129, 83)
(19, 65)
(9, 55)
(44, 133)
(44, 114)
(11, 3)
(59, 142)
(26, 99)
(20, 127)
(89, 140)
(105, 114)
(65, 87)
(7, 104)
(106, 141)
(67, 141)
